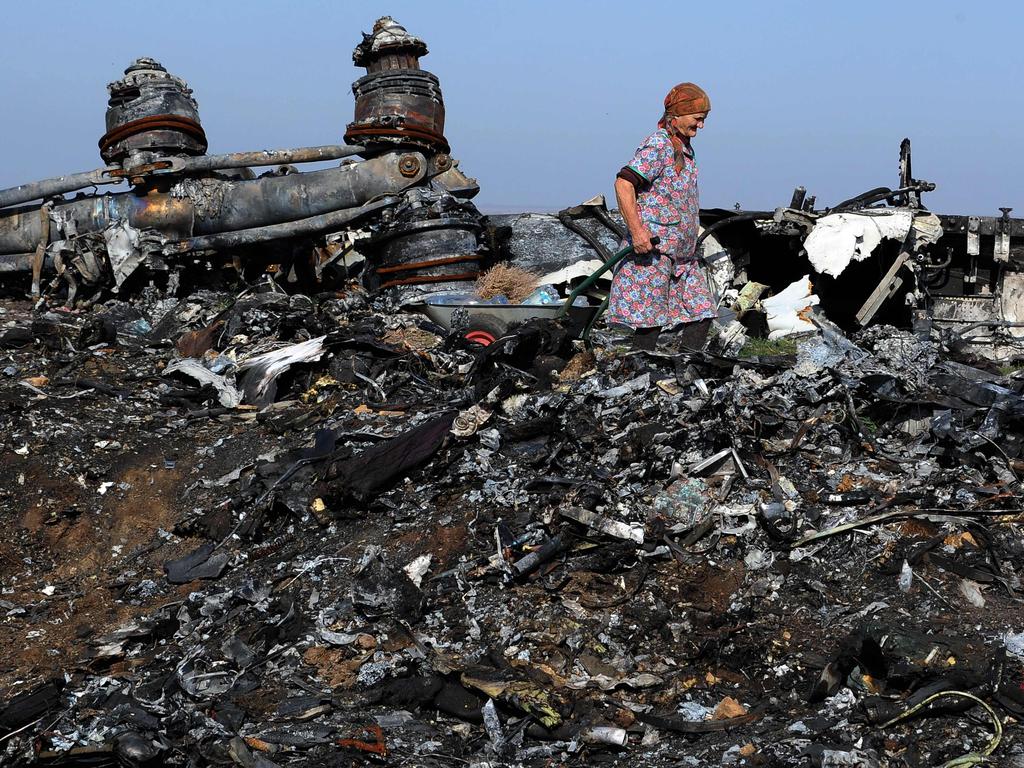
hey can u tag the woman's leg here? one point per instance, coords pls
(646, 338)
(693, 335)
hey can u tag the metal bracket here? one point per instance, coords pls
(885, 289)
(805, 220)
(973, 242)
(1001, 245)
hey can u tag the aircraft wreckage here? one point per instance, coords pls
(258, 515)
(403, 213)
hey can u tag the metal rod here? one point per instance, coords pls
(269, 157)
(37, 190)
(113, 174)
(254, 235)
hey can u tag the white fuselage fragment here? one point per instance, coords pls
(839, 238)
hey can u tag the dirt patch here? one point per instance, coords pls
(84, 541)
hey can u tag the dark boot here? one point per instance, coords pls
(646, 338)
(691, 335)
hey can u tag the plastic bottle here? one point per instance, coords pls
(448, 299)
(544, 294)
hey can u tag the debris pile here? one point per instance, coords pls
(273, 529)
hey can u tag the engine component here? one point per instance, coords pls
(208, 206)
(174, 165)
(430, 238)
(155, 141)
(397, 103)
(150, 112)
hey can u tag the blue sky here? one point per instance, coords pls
(546, 100)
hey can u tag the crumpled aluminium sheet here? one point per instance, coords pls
(839, 238)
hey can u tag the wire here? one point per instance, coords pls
(971, 758)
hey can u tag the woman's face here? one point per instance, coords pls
(688, 125)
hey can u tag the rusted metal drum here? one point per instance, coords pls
(397, 103)
(150, 113)
(399, 107)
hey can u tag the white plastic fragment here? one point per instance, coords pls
(906, 577)
(574, 271)
(972, 591)
(758, 559)
(616, 528)
(605, 735)
(418, 568)
(787, 311)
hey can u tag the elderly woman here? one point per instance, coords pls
(664, 286)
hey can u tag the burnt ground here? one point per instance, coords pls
(722, 639)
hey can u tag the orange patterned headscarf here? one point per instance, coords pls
(684, 99)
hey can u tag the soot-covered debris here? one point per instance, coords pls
(264, 530)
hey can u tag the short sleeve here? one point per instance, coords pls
(653, 156)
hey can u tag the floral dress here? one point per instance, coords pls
(667, 286)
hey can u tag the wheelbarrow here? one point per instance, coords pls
(484, 324)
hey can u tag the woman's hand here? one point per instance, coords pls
(642, 240)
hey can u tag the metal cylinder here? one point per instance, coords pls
(430, 240)
(150, 112)
(207, 206)
(314, 225)
(403, 107)
(397, 103)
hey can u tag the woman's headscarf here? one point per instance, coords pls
(684, 99)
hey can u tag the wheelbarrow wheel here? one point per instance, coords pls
(483, 332)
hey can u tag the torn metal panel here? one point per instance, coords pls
(228, 395)
(839, 238)
(260, 372)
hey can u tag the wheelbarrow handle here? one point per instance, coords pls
(586, 284)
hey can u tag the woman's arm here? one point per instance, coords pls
(625, 196)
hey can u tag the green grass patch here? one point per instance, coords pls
(1008, 369)
(767, 347)
(870, 425)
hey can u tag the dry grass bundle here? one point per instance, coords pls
(513, 282)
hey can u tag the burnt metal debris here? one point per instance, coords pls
(407, 197)
(285, 487)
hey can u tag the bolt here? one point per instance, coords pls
(442, 162)
(409, 165)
